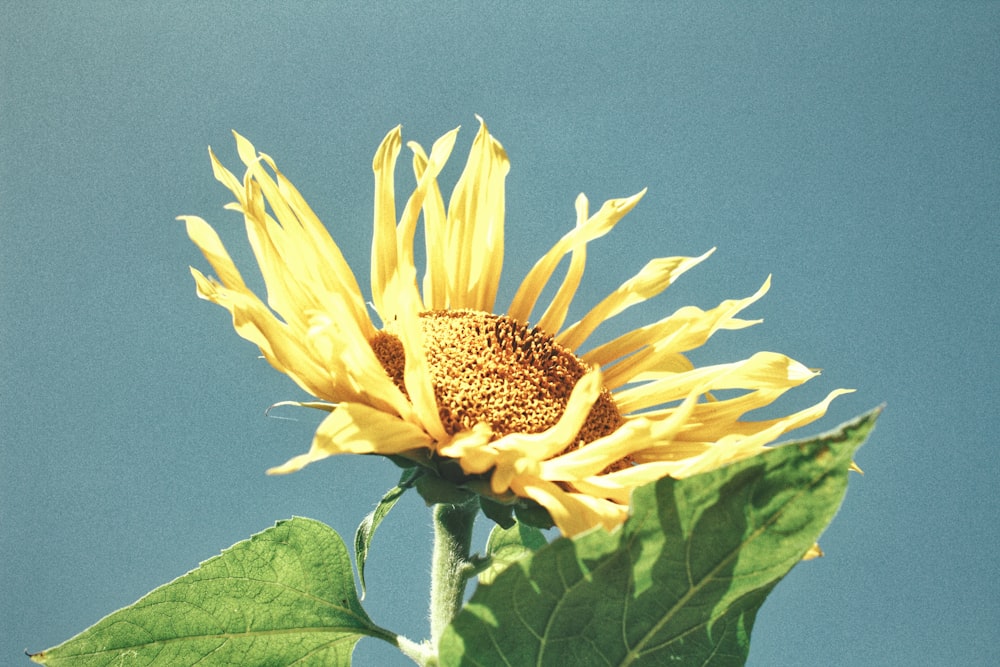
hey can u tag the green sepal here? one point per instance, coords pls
(437, 491)
(499, 513)
(680, 582)
(285, 596)
(402, 461)
(366, 529)
(531, 513)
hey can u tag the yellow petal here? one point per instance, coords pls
(735, 447)
(208, 241)
(471, 448)
(475, 225)
(634, 435)
(541, 446)
(353, 367)
(655, 277)
(226, 177)
(555, 315)
(353, 428)
(417, 374)
(305, 248)
(573, 513)
(595, 456)
(646, 353)
(763, 370)
(426, 182)
(510, 465)
(712, 421)
(280, 346)
(596, 226)
(383, 267)
(435, 283)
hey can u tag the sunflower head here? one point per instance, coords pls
(503, 405)
(493, 370)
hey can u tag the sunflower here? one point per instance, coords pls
(524, 412)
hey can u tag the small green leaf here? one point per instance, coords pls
(507, 545)
(284, 596)
(366, 529)
(679, 583)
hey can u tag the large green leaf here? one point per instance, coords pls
(285, 596)
(679, 583)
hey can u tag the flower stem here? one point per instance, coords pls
(450, 566)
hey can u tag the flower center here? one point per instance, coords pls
(489, 368)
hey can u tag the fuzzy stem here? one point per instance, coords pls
(423, 654)
(450, 566)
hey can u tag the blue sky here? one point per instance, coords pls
(850, 149)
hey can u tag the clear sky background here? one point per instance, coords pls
(851, 149)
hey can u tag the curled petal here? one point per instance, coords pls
(280, 345)
(594, 457)
(555, 315)
(354, 428)
(655, 277)
(540, 446)
(573, 513)
(383, 265)
(475, 225)
(735, 447)
(353, 366)
(208, 241)
(472, 448)
(417, 374)
(764, 370)
(633, 436)
(426, 183)
(596, 226)
(653, 351)
(435, 283)
(306, 248)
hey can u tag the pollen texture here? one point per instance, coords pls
(491, 369)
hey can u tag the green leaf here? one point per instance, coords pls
(366, 529)
(679, 583)
(284, 596)
(507, 545)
